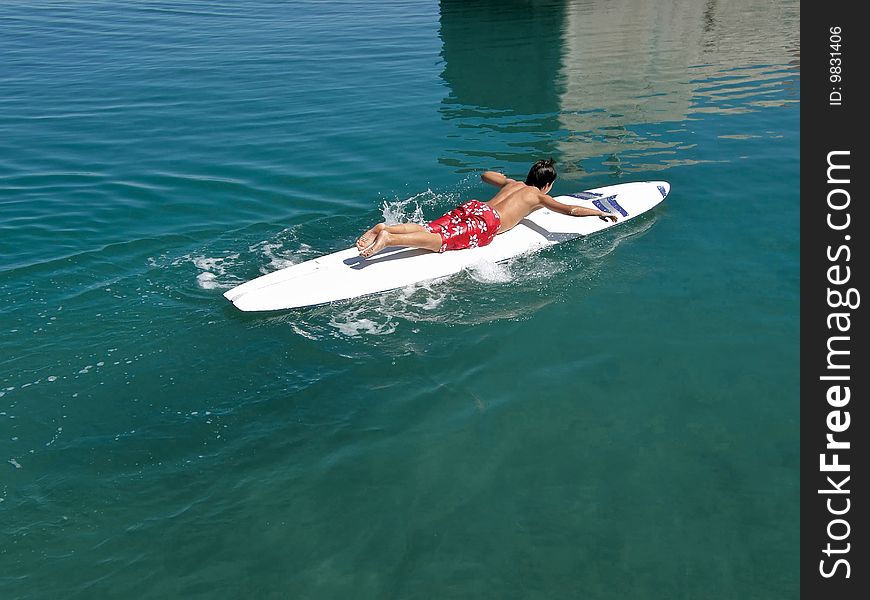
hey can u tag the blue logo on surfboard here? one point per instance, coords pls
(611, 206)
(586, 195)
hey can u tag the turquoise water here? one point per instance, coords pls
(608, 418)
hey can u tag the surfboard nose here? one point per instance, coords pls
(664, 188)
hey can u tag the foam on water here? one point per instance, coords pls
(225, 270)
(426, 295)
(416, 208)
(208, 281)
(355, 322)
(490, 272)
(282, 251)
(214, 271)
(215, 265)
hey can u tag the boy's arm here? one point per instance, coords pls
(575, 211)
(495, 178)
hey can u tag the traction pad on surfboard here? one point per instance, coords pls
(612, 205)
(599, 202)
(586, 195)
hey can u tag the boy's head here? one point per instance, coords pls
(542, 174)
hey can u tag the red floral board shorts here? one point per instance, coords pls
(468, 225)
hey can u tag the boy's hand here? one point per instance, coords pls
(606, 216)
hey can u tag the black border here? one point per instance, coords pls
(826, 128)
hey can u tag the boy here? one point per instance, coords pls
(476, 223)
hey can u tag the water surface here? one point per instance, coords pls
(612, 417)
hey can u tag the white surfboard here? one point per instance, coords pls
(345, 274)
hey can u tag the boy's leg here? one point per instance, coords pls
(417, 238)
(406, 228)
(366, 239)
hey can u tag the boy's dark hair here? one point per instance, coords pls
(541, 173)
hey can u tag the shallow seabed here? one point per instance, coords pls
(614, 417)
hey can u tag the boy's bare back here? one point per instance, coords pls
(515, 201)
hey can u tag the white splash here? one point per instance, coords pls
(350, 324)
(215, 264)
(426, 295)
(208, 281)
(490, 272)
(214, 269)
(306, 334)
(282, 251)
(410, 210)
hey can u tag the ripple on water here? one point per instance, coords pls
(153, 154)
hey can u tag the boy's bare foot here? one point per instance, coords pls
(368, 238)
(379, 244)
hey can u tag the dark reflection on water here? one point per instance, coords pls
(502, 57)
(593, 82)
(502, 64)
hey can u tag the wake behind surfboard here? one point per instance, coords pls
(344, 275)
